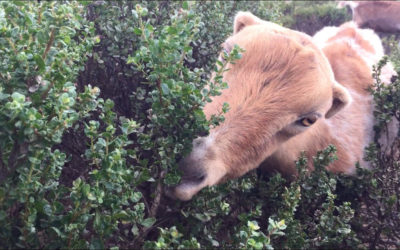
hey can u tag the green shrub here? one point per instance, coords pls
(217, 22)
(84, 168)
(106, 195)
(311, 17)
(42, 49)
(376, 221)
(392, 48)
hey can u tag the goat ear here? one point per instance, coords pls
(341, 98)
(243, 19)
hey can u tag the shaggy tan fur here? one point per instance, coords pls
(283, 81)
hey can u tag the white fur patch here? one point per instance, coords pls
(215, 168)
(321, 37)
(200, 149)
(387, 72)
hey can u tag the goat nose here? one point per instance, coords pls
(192, 171)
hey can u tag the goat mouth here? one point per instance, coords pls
(188, 186)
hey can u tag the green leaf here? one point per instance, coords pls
(148, 222)
(172, 30)
(204, 217)
(96, 243)
(3, 215)
(185, 5)
(137, 31)
(17, 97)
(121, 215)
(3, 96)
(344, 230)
(135, 230)
(67, 39)
(130, 60)
(19, 3)
(136, 196)
(40, 63)
(253, 225)
(150, 27)
(102, 142)
(165, 88)
(58, 232)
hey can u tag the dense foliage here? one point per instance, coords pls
(311, 17)
(100, 100)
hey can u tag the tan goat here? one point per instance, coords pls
(377, 15)
(284, 99)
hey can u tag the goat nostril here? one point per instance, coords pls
(200, 178)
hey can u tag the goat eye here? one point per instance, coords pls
(308, 121)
